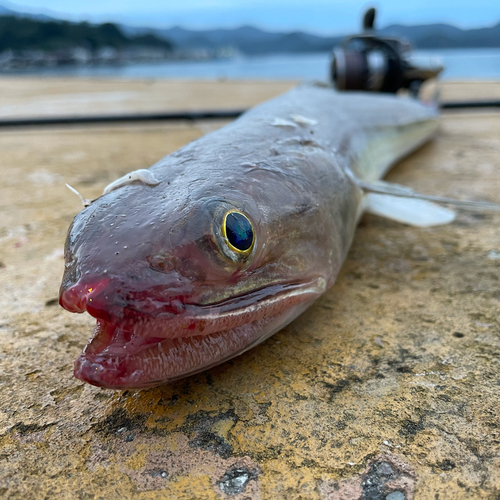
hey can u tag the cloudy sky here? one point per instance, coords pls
(325, 16)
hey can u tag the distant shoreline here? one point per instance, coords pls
(464, 64)
(28, 41)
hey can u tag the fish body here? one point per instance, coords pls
(242, 230)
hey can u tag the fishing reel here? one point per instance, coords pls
(378, 64)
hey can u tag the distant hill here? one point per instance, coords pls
(252, 41)
(4, 11)
(21, 33)
(444, 36)
(245, 39)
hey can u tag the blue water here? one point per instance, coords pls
(459, 64)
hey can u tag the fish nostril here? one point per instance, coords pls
(161, 262)
(102, 302)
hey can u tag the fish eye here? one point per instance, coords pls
(238, 232)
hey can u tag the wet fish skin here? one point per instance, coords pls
(150, 264)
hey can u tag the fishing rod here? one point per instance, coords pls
(180, 116)
(119, 118)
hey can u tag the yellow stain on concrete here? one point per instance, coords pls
(138, 460)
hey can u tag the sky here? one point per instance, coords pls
(321, 16)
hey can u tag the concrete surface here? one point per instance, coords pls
(388, 388)
(21, 97)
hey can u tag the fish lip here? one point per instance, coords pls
(113, 364)
(237, 302)
(94, 373)
(213, 318)
(236, 310)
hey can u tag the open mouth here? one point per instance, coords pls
(138, 350)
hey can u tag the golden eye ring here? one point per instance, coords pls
(238, 232)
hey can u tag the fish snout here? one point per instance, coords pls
(82, 296)
(112, 300)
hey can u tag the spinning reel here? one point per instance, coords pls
(379, 64)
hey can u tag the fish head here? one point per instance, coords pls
(181, 279)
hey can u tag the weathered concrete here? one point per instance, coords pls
(27, 96)
(390, 383)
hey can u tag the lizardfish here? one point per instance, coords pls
(222, 243)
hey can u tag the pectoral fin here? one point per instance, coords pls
(402, 204)
(396, 190)
(412, 211)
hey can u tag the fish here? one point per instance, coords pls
(224, 242)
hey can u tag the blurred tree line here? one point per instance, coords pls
(18, 33)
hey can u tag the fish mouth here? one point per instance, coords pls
(143, 349)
